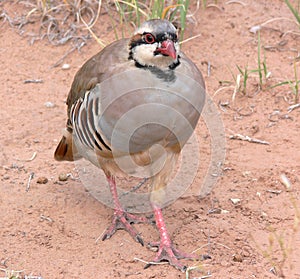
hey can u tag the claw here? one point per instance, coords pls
(167, 252)
(123, 220)
(140, 240)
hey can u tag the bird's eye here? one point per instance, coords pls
(149, 38)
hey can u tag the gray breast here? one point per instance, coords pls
(138, 109)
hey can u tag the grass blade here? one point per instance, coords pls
(258, 58)
(183, 12)
(293, 10)
(296, 84)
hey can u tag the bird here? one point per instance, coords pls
(133, 106)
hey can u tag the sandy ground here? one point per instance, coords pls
(52, 230)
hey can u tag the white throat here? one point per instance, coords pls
(144, 55)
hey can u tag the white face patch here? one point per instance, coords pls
(147, 53)
(144, 55)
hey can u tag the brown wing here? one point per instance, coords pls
(91, 73)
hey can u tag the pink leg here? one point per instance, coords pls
(166, 250)
(122, 219)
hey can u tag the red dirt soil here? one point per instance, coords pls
(52, 229)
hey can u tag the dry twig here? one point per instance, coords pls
(31, 175)
(247, 138)
(291, 108)
(30, 159)
(149, 263)
(33, 81)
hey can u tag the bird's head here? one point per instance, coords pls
(155, 43)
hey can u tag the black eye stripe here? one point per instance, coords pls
(163, 37)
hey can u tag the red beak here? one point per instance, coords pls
(168, 48)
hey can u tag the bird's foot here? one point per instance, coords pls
(166, 249)
(167, 252)
(124, 220)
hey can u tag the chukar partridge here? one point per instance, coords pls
(137, 101)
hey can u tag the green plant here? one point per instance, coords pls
(154, 9)
(262, 70)
(133, 12)
(294, 84)
(130, 11)
(262, 66)
(294, 10)
(183, 5)
(157, 8)
(244, 73)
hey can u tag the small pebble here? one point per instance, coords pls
(215, 211)
(42, 180)
(255, 28)
(237, 258)
(264, 215)
(63, 177)
(65, 66)
(235, 201)
(285, 181)
(49, 105)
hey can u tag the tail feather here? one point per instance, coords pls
(66, 151)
